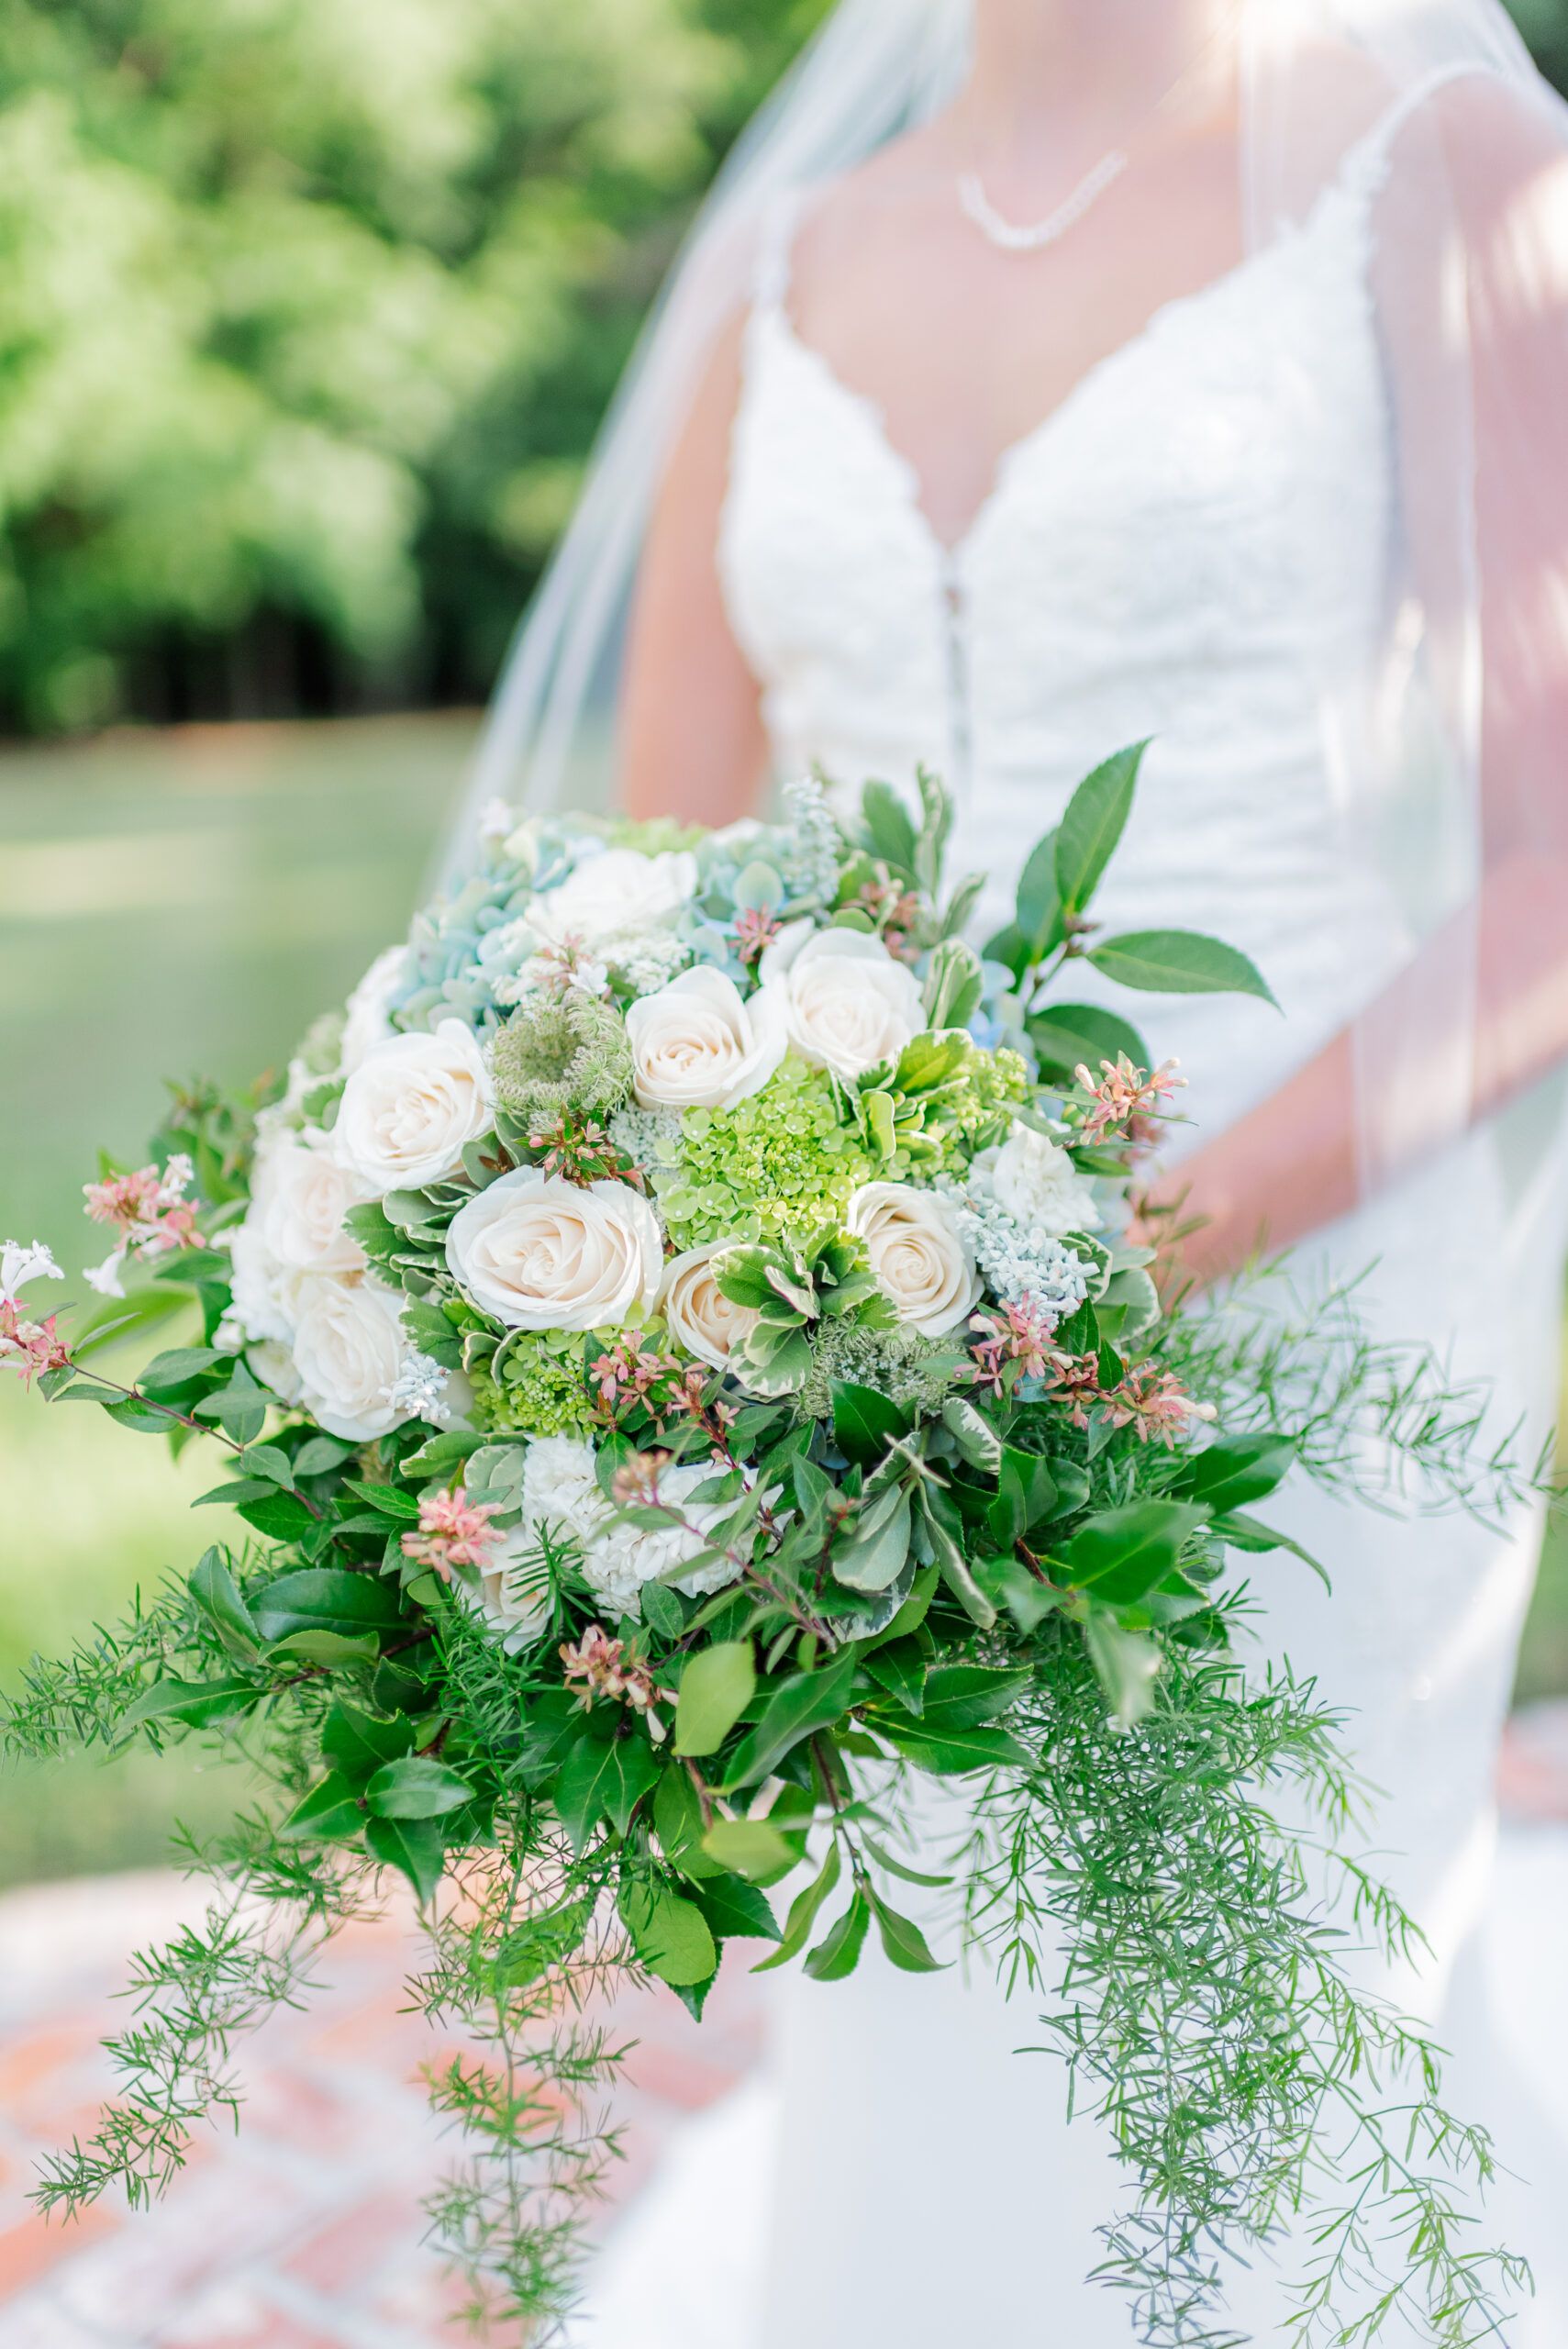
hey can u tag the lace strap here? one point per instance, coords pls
(770, 281)
(1367, 164)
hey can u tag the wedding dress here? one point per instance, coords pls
(1189, 548)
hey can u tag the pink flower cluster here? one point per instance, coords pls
(453, 1532)
(755, 928)
(583, 1154)
(1127, 1098)
(1021, 1335)
(631, 1370)
(1149, 1401)
(29, 1347)
(610, 1668)
(150, 1213)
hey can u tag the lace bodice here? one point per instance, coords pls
(1191, 547)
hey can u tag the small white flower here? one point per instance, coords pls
(848, 1004)
(695, 1045)
(20, 1264)
(918, 1253)
(543, 1253)
(106, 1277)
(412, 1106)
(620, 890)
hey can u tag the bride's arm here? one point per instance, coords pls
(691, 729)
(1291, 1165)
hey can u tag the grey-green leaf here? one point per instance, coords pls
(1094, 822)
(1178, 961)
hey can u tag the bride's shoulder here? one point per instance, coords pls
(863, 216)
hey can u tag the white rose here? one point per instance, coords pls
(266, 1291)
(543, 1253)
(848, 1004)
(367, 1022)
(621, 889)
(1037, 1183)
(919, 1256)
(411, 1107)
(620, 1559)
(695, 1045)
(511, 1596)
(348, 1350)
(308, 1193)
(700, 1316)
(273, 1365)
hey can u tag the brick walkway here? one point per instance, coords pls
(303, 2230)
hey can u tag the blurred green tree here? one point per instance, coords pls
(310, 310)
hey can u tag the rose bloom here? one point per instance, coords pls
(695, 1045)
(412, 1106)
(543, 1253)
(1037, 1183)
(308, 1192)
(621, 889)
(847, 1003)
(699, 1316)
(514, 1598)
(921, 1260)
(348, 1350)
(366, 1020)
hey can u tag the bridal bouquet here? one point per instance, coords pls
(686, 1365)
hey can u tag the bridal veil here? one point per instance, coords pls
(1448, 756)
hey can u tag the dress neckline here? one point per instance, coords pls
(771, 308)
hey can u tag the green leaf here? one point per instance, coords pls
(197, 1704)
(716, 1688)
(416, 1787)
(325, 1647)
(1237, 1469)
(1124, 1554)
(661, 1610)
(888, 827)
(282, 1517)
(439, 1457)
(216, 1593)
(1067, 1036)
(1127, 1663)
(413, 1845)
(1039, 902)
(736, 1910)
(321, 1453)
(807, 1701)
(139, 1417)
(963, 1695)
(329, 1814)
(753, 1848)
(956, 1751)
(602, 1778)
(427, 1328)
(1025, 1495)
(177, 1368)
(1009, 946)
(1243, 1532)
(678, 1822)
(1096, 817)
(1178, 962)
(670, 1934)
(1026, 1598)
(976, 1438)
(838, 1953)
(326, 1598)
(954, 983)
(865, 1423)
(357, 1744)
(388, 1498)
(897, 1867)
(903, 1941)
(875, 1560)
(900, 1667)
(268, 1459)
(547, 1940)
(803, 1912)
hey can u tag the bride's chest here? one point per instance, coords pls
(1219, 479)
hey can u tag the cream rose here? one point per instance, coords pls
(348, 1350)
(847, 1003)
(308, 1193)
(921, 1260)
(620, 889)
(543, 1253)
(412, 1106)
(695, 1045)
(366, 1020)
(1037, 1183)
(700, 1316)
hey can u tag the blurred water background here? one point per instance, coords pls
(308, 310)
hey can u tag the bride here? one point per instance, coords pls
(1046, 376)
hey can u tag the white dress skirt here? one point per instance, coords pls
(1190, 548)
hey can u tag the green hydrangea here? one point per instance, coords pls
(560, 1053)
(779, 1162)
(541, 1391)
(979, 1112)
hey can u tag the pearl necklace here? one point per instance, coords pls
(972, 204)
